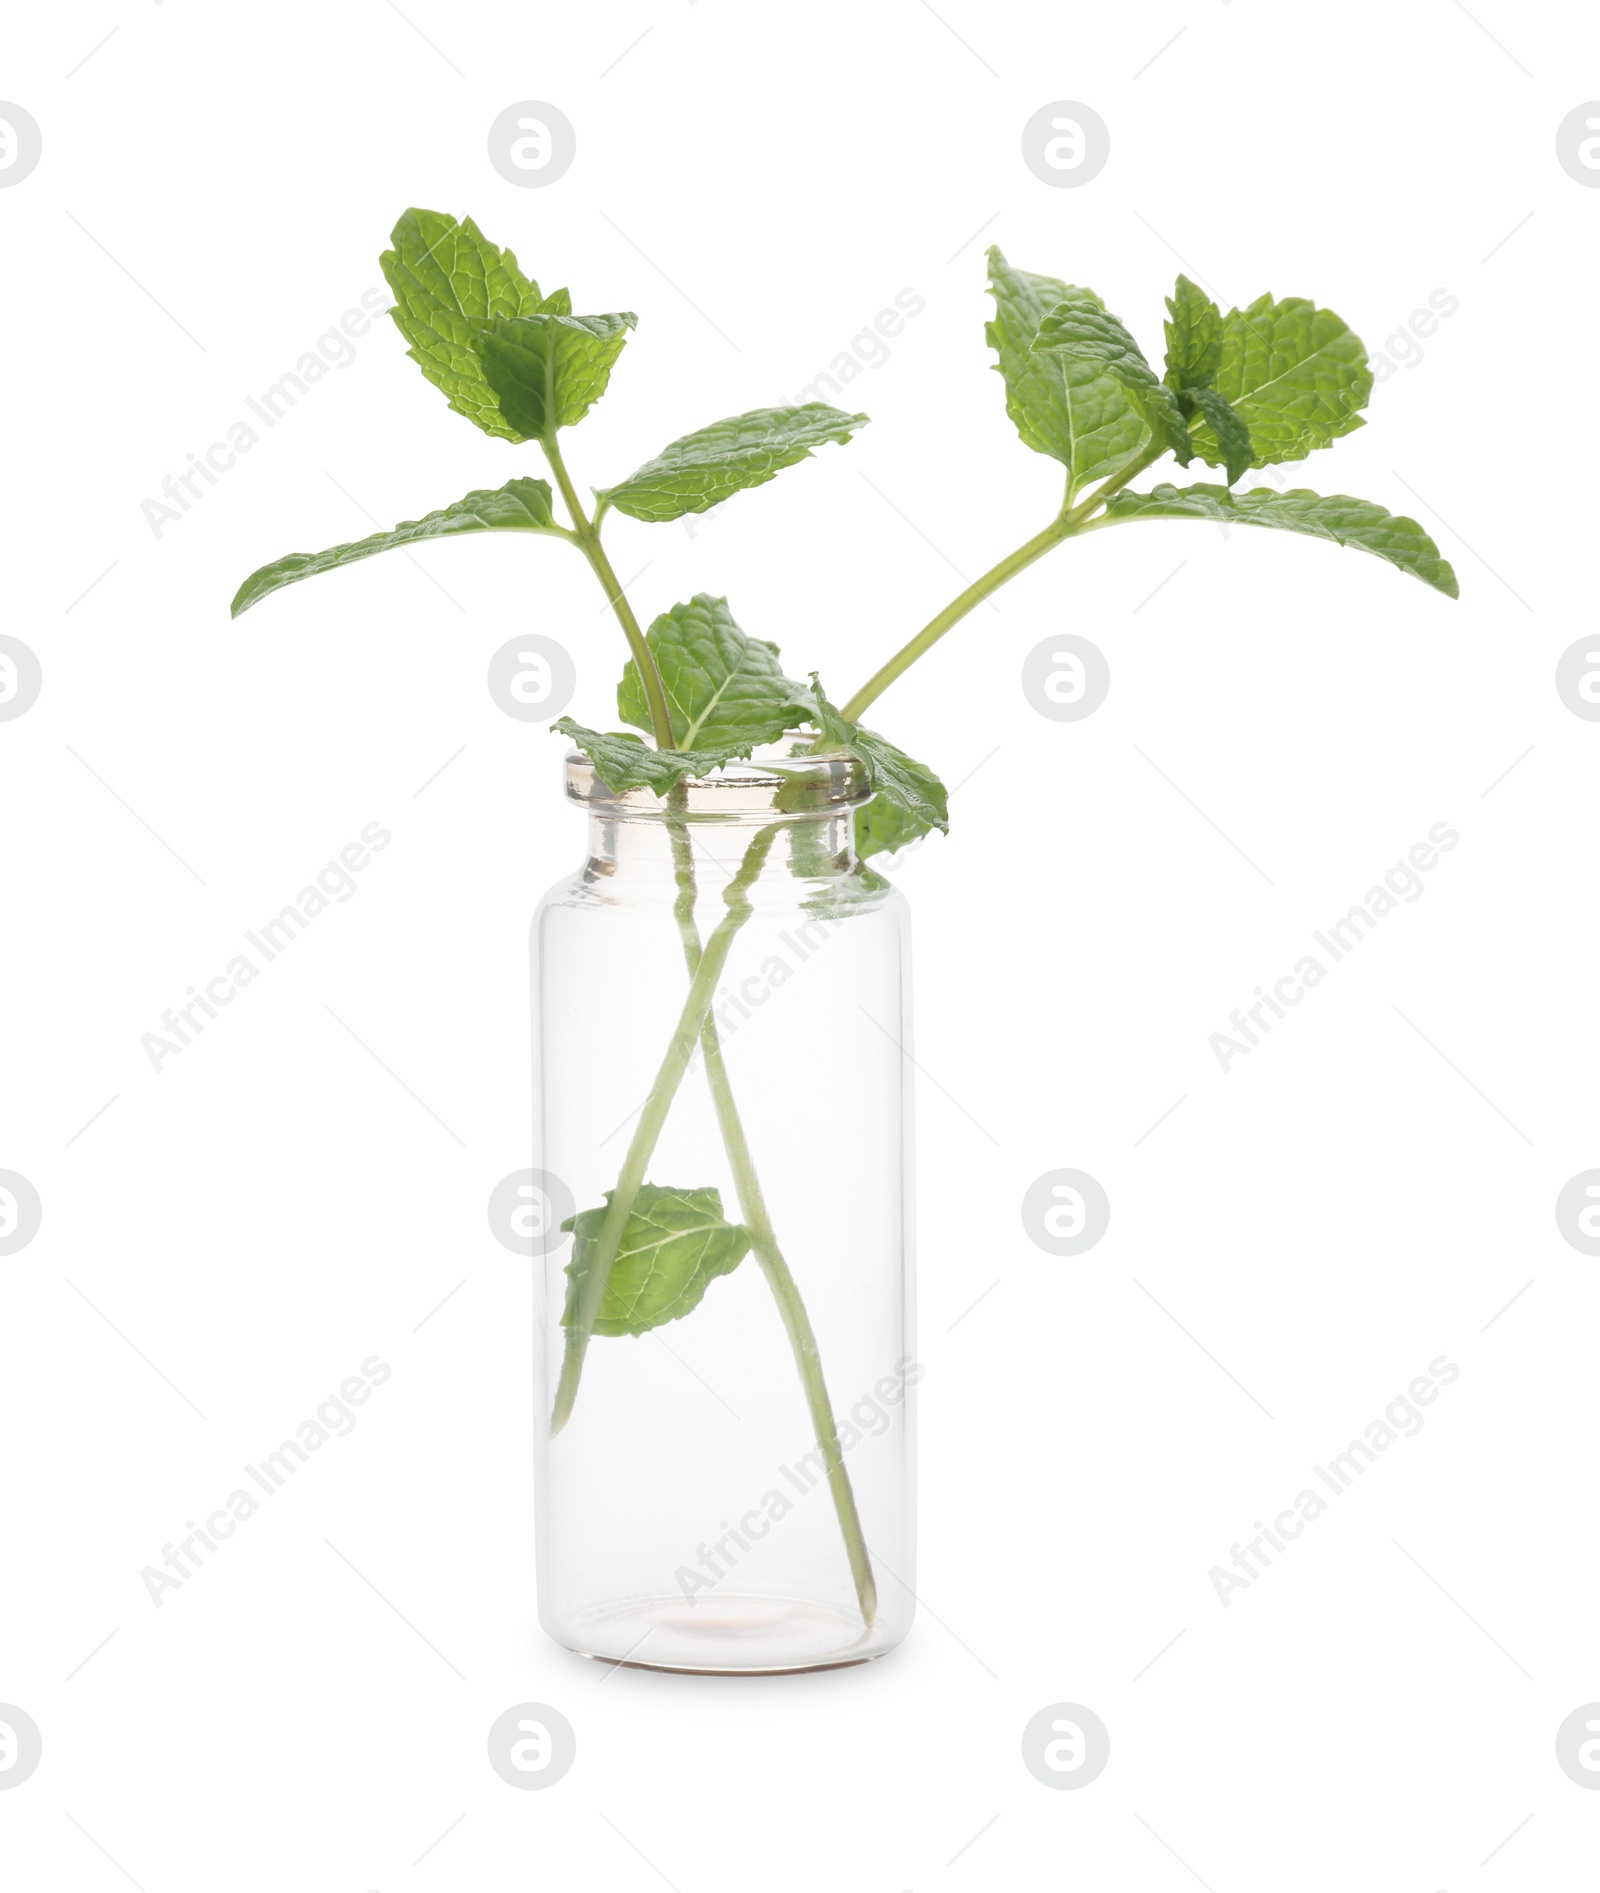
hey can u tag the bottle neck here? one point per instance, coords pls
(758, 851)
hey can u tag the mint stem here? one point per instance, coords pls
(791, 1307)
(958, 607)
(1069, 522)
(796, 1322)
(764, 1241)
(695, 1021)
(588, 538)
(691, 1022)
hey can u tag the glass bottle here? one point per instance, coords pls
(725, 1370)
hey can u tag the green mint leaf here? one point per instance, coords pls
(913, 799)
(1194, 337)
(1163, 414)
(1336, 516)
(674, 1246)
(449, 282)
(719, 683)
(893, 819)
(624, 761)
(1296, 375)
(518, 506)
(1069, 407)
(705, 467)
(548, 370)
(1232, 436)
(1081, 332)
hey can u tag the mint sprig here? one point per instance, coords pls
(1258, 386)
(1255, 387)
(1261, 385)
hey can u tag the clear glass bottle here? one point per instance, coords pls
(722, 1004)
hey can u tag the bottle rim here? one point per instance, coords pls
(780, 782)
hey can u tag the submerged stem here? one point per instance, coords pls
(797, 1325)
(764, 1241)
(696, 1009)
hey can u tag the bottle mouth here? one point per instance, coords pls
(783, 781)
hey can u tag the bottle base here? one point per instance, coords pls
(734, 1635)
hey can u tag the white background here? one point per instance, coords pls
(1323, 1220)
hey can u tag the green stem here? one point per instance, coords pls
(958, 607)
(1069, 522)
(705, 967)
(796, 1323)
(696, 1010)
(764, 1241)
(588, 537)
